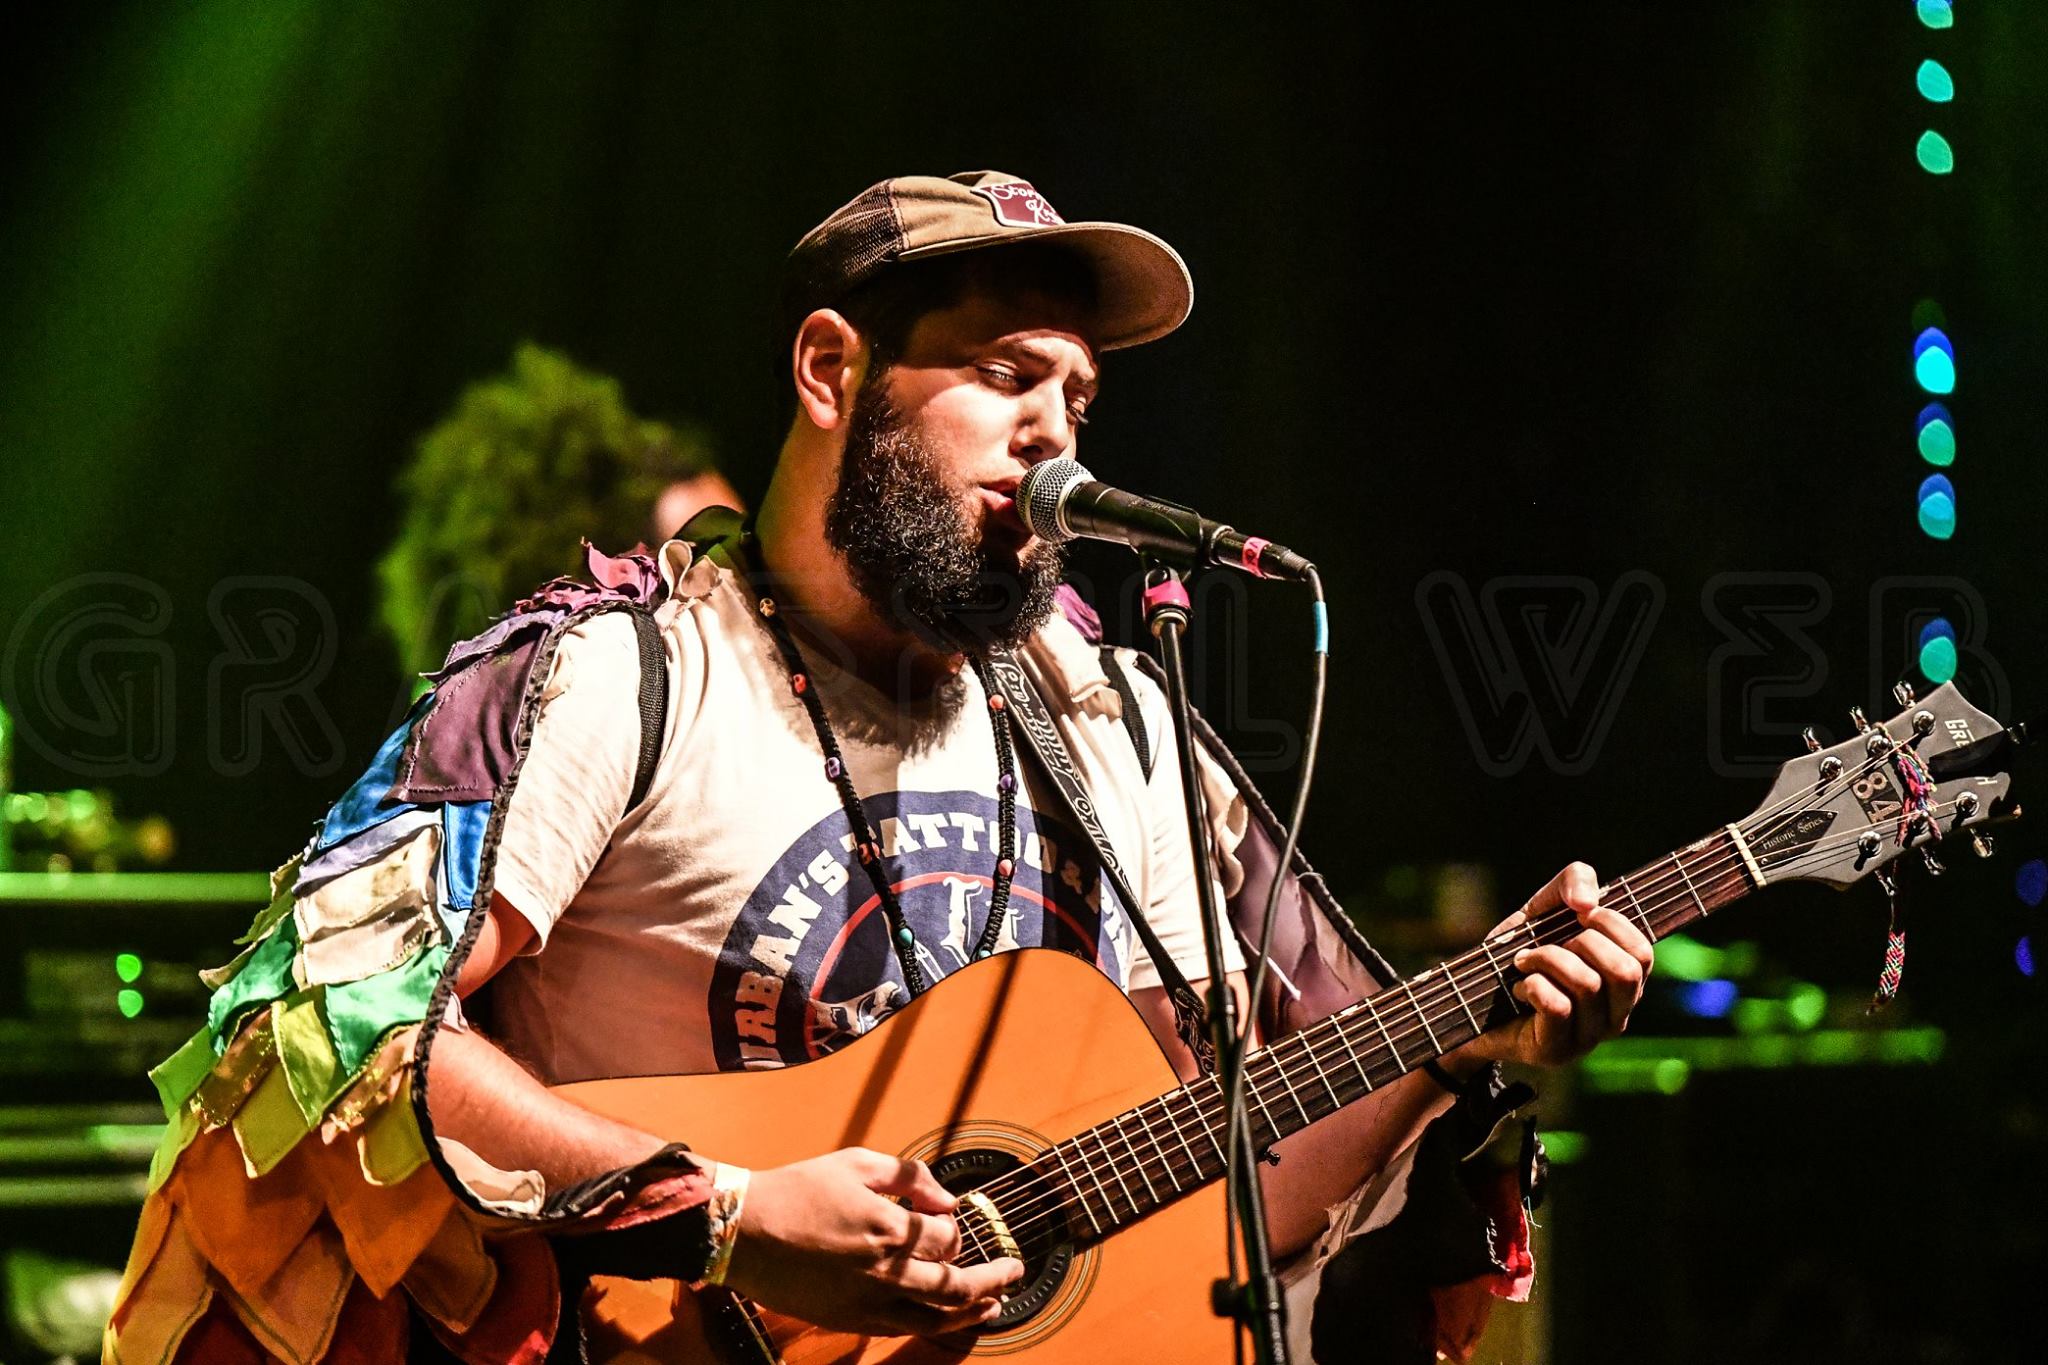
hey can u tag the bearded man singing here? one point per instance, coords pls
(832, 813)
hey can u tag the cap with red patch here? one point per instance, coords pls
(1143, 289)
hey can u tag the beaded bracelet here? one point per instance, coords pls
(728, 1194)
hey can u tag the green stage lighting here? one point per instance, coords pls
(1935, 371)
(130, 1002)
(1935, 13)
(128, 967)
(1938, 658)
(1935, 82)
(1936, 156)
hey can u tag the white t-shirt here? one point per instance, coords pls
(726, 923)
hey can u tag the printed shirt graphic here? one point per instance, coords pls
(809, 966)
(725, 924)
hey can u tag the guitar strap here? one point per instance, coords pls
(1042, 737)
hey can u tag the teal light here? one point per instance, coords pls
(130, 1001)
(1938, 444)
(1935, 371)
(1935, 13)
(1934, 81)
(1938, 516)
(128, 967)
(1938, 659)
(1936, 156)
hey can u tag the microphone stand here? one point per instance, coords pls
(1257, 1303)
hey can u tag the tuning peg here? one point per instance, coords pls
(1856, 715)
(1934, 864)
(1902, 693)
(1980, 843)
(1812, 740)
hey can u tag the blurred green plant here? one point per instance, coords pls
(501, 492)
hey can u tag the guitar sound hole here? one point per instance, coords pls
(1032, 1216)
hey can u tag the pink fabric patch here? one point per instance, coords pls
(1018, 205)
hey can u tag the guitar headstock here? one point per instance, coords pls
(1842, 812)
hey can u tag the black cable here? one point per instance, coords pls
(1239, 1118)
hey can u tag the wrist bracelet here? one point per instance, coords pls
(1434, 1069)
(728, 1194)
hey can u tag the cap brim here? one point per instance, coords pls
(1143, 288)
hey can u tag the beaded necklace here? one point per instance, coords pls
(866, 845)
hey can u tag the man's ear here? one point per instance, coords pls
(827, 363)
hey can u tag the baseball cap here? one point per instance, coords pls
(1143, 288)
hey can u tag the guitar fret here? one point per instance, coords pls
(1344, 1037)
(1080, 1197)
(1165, 1158)
(1258, 1096)
(1675, 862)
(1336, 1100)
(1506, 987)
(1117, 1174)
(1636, 907)
(1139, 1161)
(1416, 1005)
(1462, 1003)
(1399, 1060)
(1281, 1067)
(1208, 1131)
(1194, 1162)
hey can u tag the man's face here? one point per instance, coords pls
(924, 509)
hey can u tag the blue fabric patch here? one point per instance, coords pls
(366, 804)
(463, 824)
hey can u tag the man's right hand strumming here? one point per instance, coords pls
(825, 1240)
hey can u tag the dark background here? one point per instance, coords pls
(1533, 290)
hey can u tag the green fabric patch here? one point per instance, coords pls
(311, 1067)
(263, 978)
(285, 879)
(179, 1074)
(359, 1013)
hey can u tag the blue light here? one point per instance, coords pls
(1933, 337)
(1933, 412)
(1937, 485)
(2023, 955)
(1937, 629)
(1709, 999)
(2031, 882)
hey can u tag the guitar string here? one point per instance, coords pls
(1298, 1049)
(1275, 1061)
(1299, 1053)
(1658, 885)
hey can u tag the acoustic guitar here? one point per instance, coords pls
(1034, 1089)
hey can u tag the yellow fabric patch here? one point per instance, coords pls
(311, 1069)
(240, 1070)
(391, 1147)
(169, 1295)
(178, 1134)
(269, 1124)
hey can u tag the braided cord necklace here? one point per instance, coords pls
(867, 846)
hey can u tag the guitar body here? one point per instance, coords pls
(996, 1061)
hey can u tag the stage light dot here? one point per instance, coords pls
(1939, 626)
(1669, 1075)
(1935, 82)
(1938, 516)
(128, 967)
(1935, 371)
(1935, 13)
(1927, 313)
(130, 1002)
(1936, 156)
(1938, 660)
(1938, 444)
(1805, 1004)
(1709, 999)
(2031, 882)
(2023, 955)
(1933, 338)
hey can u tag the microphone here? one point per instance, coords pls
(1060, 500)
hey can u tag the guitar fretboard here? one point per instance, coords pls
(1119, 1171)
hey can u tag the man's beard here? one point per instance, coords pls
(912, 549)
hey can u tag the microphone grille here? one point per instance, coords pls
(1041, 492)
